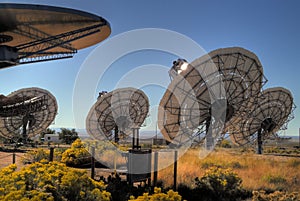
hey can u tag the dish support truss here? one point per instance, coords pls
(40, 48)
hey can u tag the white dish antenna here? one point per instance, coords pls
(26, 112)
(270, 114)
(115, 114)
(209, 94)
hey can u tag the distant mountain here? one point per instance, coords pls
(144, 134)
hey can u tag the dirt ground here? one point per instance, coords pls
(6, 158)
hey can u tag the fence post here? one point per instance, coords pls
(93, 162)
(14, 158)
(175, 170)
(155, 168)
(51, 154)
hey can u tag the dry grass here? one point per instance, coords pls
(256, 171)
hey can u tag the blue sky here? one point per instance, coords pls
(269, 28)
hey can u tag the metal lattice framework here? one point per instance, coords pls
(33, 33)
(26, 113)
(274, 109)
(220, 85)
(116, 113)
(175, 123)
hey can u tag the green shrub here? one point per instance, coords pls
(294, 163)
(208, 164)
(219, 184)
(225, 144)
(121, 190)
(41, 155)
(216, 184)
(235, 165)
(274, 179)
(36, 155)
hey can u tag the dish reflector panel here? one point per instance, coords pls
(121, 109)
(36, 106)
(212, 91)
(270, 114)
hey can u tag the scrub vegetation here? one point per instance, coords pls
(225, 174)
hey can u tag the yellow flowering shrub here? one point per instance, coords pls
(51, 181)
(40, 155)
(220, 183)
(158, 196)
(276, 196)
(77, 155)
(220, 179)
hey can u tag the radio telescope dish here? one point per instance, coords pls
(224, 83)
(242, 76)
(116, 113)
(271, 113)
(34, 33)
(26, 113)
